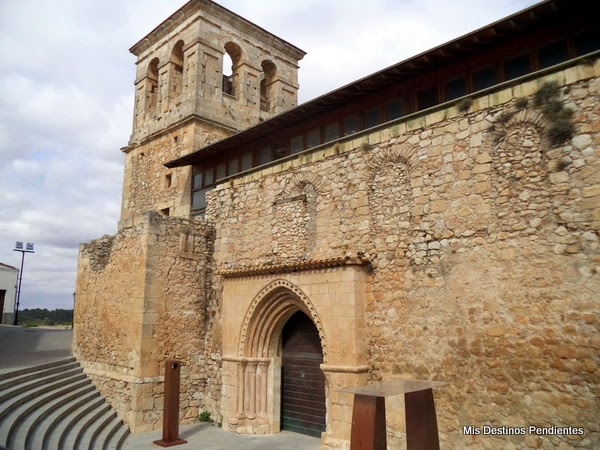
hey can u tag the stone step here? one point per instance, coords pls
(15, 406)
(28, 411)
(112, 436)
(36, 375)
(57, 422)
(37, 385)
(26, 370)
(81, 431)
(40, 420)
(56, 407)
(103, 430)
(69, 425)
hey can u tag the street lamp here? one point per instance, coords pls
(28, 249)
(73, 315)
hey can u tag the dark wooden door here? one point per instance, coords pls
(303, 382)
(2, 295)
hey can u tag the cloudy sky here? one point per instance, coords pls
(66, 101)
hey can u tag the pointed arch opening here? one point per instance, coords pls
(260, 362)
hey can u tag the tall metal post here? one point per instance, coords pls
(28, 249)
(170, 435)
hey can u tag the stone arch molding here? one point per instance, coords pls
(392, 156)
(299, 182)
(267, 314)
(519, 120)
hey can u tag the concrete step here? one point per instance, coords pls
(56, 407)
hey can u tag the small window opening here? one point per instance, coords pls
(331, 131)
(280, 150)
(168, 180)
(247, 161)
(265, 156)
(484, 78)
(296, 144)
(351, 124)
(313, 138)
(427, 98)
(552, 54)
(455, 88)
(372, 117)
(166, 211)
(394, 109)
(516, 67)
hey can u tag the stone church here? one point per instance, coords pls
(436, 220)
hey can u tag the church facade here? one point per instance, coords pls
(436, 220)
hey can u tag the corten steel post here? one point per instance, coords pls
(368, 414)
(170, 436)
(421, 422)
(368, 423)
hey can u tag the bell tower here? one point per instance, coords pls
(202, 75)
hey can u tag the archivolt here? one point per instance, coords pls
(501, 129)
(267, 314)
(298, 183)
(393, 155)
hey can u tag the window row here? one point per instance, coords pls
(411, 101)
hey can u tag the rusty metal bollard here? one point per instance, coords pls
(170, 436)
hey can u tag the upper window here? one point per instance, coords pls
(176, 71)
(455, 88)
(152, 85)
(484, 78)
(231, 61)
(266, 83)
(516, 67)
(427, 98)
(552, 54)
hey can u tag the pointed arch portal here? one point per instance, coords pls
(288, 327)
(280, 320)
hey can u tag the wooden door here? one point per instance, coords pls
(303, 382)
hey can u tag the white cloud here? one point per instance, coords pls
(66, 101)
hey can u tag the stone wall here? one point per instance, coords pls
(149, 186)
(144, 296)
(483, 236)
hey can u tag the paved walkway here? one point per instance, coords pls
(210, 437)
(26, 347)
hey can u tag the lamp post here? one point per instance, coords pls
(73, 315)
(28, 249)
